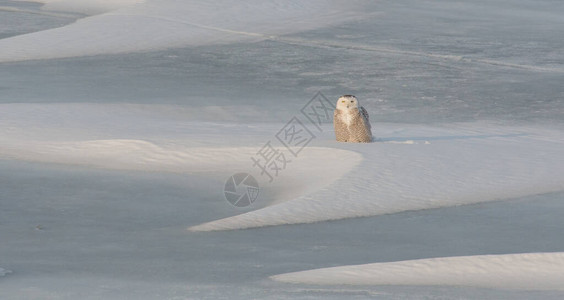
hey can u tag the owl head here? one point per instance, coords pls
(347, 102)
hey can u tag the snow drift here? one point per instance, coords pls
(133, 26)
(426, 168)
(528, 271)
(70, 135)
(409, 168)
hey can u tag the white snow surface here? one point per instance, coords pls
(32, 132)
(407, 168)
(523, 271)
(132, 26)
(463, 164)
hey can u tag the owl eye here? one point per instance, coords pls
(352, 100)
(343, 101)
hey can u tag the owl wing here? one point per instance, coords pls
(365, 116)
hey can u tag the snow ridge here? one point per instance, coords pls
(525, 271)
(457, 166)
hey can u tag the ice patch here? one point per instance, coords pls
(88, 7)
(36, 12)
(528, 271)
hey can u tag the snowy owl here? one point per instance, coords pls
(351, 121)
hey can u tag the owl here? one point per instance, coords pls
(351, 121)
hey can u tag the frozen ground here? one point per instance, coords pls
(112, 165)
